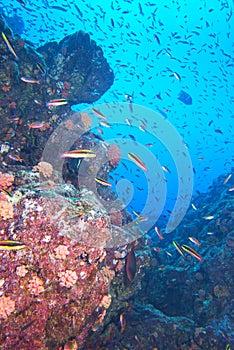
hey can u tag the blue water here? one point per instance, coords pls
(157, 48)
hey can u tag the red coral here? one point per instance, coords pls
(114, 155)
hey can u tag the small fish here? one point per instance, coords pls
(122, 321)
(157, 39)
(194, 206)
(16, 158)
(157, 249)
(168, 253)
(56, 103)
(98, 113)
(102, 182)
(177, 76)
(29, 80)
(11, 245)
(40, 67)
(139, 341)
(130, 265)
(231, 189)
(226, 337)
(208, 217)
(8, 44)
(178, 247)
(105, 124)
(195, 241)
(137, 161)
(166, 169)
(21, 2)
(227, 179)
(159, 233)
(191, 251)
(136, 213)
(36, 125)
(78, 153)
(128, 122)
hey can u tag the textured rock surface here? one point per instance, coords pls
(74, 69)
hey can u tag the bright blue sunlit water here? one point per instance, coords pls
(157, 49)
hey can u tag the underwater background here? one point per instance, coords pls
(129, 245)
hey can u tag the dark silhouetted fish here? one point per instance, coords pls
(131, 265)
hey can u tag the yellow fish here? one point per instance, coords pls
(8, 44)
(78, 153)
(11, 245)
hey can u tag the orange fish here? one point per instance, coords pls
(159, 233)
(122, 321)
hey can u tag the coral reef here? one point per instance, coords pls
(6, 210)
(181, 303)
(6, 180)
(74, 69)
(56, 288)
(114, 155)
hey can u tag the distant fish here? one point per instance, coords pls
(104, 123)
(185, 98)
(164, 168)
(21, 2)
(194, 240)
(194, 206)
(208, 217)
(98, 113)
(227, 179)
(177, 76)
(157, 39)
(131, 265)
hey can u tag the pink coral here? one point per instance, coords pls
(86, 120)
(6, 180)
(36, 286)
(6, 210)
(7, 306)
(21, 271)
(61, 252)
(67, 278)
(114, 155)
